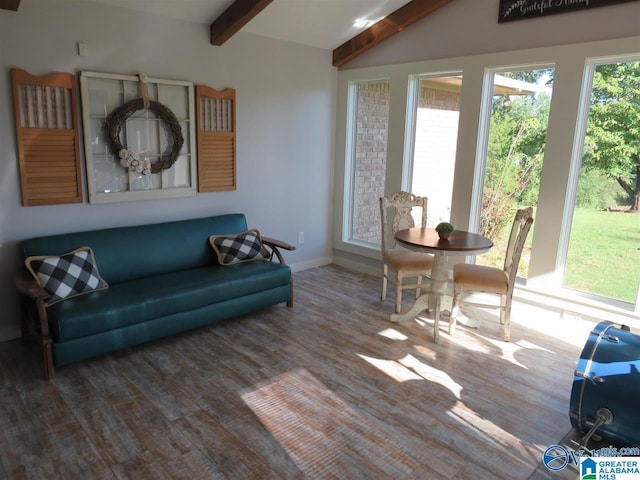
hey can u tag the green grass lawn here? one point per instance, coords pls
(604, 255)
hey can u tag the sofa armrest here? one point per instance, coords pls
(276, 245)
(27, 286)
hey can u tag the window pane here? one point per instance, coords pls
(434, 150)
(603, 257)
(517, 137)
(369, 159)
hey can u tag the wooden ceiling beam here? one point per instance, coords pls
(385, 28)
(9, 5)
(234, 18)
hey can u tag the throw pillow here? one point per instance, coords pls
(239, 247)
(67, 275)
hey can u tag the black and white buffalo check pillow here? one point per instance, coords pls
(67, 275)
(239, 247)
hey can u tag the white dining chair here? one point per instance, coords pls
(469, 278)
(396, 215)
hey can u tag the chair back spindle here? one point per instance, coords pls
(519, 231)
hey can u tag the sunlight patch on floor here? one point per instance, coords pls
(425, 352)
(322, 433)
(392, 368)
(393, 334)
(572, 329)
(488, 431)
(509, 349)
(427, 324)
(473, 344)
(410, 368)
(432, 374)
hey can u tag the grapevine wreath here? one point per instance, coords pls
(117, 118)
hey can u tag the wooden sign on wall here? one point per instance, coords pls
(520, 9)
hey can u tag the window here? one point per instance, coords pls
(436, 114)
(602, 257)
(519, 114)
(367, 158)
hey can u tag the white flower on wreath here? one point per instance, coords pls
(134, 163)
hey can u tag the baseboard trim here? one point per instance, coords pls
(357, 266)
(316, 262)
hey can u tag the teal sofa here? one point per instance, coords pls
(162, 279)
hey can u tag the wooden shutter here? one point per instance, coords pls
(216, 132)
(46, 120)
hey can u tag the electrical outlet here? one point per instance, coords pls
(83, 49)
(300, 238)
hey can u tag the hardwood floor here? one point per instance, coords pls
(329, 389)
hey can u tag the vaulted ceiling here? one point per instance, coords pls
(348, 27)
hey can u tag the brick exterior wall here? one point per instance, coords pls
(372, 126)
(439, 99)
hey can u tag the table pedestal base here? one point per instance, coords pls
(434, 300)
(427, 240)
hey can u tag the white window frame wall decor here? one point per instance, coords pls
(142, 133)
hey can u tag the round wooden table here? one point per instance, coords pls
(426, 240)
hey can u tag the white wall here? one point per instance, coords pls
(470, 27)
(285, 113)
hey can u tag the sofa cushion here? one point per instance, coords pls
(239, 247)
(67, 275)
(152, 297)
